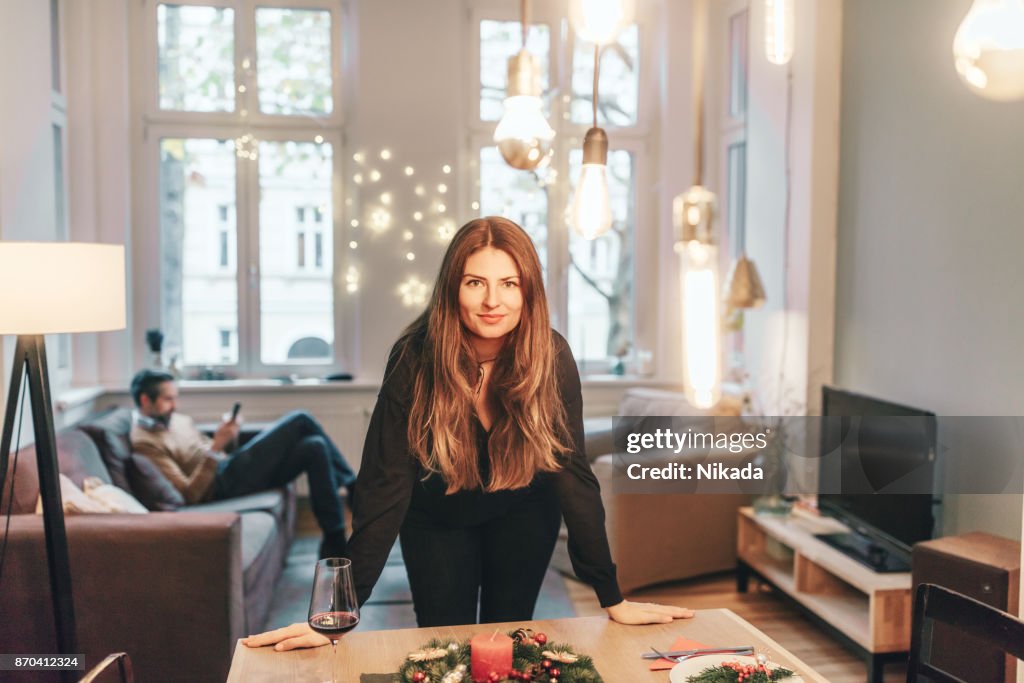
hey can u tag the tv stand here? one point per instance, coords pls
(875, 554)
(867, 611)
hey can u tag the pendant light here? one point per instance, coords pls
(779, 17)
(523, 135)
(743, 284)
(694, 217)
(600, 21)
(591, 211)
(988, 49)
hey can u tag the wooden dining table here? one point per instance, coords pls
(615, 648)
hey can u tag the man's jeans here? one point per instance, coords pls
(294, 444)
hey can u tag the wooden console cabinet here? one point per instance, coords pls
(867, 611)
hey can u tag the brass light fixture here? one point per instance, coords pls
(591, 211)
(523, 135)
(743, 284)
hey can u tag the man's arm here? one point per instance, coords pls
(193, 487)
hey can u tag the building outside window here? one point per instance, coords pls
(246, 132)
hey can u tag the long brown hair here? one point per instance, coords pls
(531, 427)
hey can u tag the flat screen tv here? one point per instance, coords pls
(881, 446)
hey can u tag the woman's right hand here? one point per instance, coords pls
(292, 637)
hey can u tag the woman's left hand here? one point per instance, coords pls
(627, 612)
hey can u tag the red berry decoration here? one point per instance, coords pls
(494, 677)
(554, 672)
(419, 676)
(540, 638)
(546, 663)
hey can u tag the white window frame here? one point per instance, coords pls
(62, 369)
(636, 139)
(156, 123)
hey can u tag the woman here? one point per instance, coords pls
(475, 451)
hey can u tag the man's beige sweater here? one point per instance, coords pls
(182, 454)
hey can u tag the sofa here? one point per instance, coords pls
(173, 589)
(654, 537)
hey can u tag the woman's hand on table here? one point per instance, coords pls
(636, 613)
(292, 637)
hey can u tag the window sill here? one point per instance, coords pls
(606, 380)
(72, 398)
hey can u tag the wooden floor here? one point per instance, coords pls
(763, 608)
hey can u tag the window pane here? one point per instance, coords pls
(293, 49)
(499, 40)
(619, 87)
(601, 271)
(296, 303)
(199, 293)
(197, 58)
(738, 40)
(737, 197)
(504, 191)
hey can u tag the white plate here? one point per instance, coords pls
(693, 666)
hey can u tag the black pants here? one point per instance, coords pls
(499, 564)
(294, 444)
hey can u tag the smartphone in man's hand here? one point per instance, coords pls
(234, 410)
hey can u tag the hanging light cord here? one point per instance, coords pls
(524, 7)
(785, 239)
(597, 70)
(698, 94)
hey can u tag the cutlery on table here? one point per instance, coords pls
(682, 655)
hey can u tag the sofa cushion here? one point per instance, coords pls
(150, 486)
(109, 432)
(258, 528)
(77, 457)
(272, 501)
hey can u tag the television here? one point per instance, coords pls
(876, 477)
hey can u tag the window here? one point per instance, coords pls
(245, 128)
(590, 285)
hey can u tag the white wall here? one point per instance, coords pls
(930, 231)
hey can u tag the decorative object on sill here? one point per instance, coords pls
(155, 343)
(591, 212)
(779, 18)
(523, 135)
(693, 214)
(988, 49)
(600, 21)
(618, 366)
(532, 658)
(53, 287)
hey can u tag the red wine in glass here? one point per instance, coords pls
(333, 607)
(333, 624)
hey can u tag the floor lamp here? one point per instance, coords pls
(53, 287)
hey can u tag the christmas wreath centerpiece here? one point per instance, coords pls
(737, 672)
(521, 655)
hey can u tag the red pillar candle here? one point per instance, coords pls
(490, 652)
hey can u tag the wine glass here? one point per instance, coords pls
(333, 607)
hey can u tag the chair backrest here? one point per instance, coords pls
(937, 604)
(124, 669)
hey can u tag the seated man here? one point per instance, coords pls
(201, 470)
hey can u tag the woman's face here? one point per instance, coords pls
(490, 295)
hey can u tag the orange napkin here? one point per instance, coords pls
(680, 644)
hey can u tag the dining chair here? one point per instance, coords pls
(935, 604)
(124, 666)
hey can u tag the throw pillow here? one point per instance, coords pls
(110, 434)
(113, 498)
(150, 485)
(74, 499)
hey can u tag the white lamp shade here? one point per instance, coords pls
(56, 287)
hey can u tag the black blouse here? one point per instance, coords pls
(391, 481)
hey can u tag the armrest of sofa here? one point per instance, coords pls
(164, 587)
(598, 437)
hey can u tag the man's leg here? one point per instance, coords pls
(254, 466)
